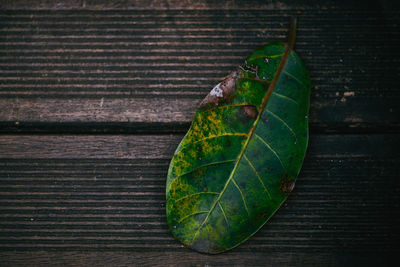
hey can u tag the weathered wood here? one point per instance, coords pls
(163, 146)
(156, 65)
(141, 114)
(107, 192)
(189, 5)
(82, 147)
(166, 258)
(132, 66)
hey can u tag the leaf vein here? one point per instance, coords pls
(295, 78)
(258, 176)
(230, 105)
(223, 213)
(241, 193)
(192, 214)
(194, 194)
(283, 122)
(272, 150)
(216, 136)
(205, 165)
(286, 97)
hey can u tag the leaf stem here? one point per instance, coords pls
(292, 32)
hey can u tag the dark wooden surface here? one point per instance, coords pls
(96, 95)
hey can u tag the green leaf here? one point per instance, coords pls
(239, 160)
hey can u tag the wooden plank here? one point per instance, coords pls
(79, 67)
(82, 147)
(141, 114)
(106, 193)
(127, 67)
(163, 146)
(188, 5)
(166, 258)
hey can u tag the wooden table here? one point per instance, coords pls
(95, 97)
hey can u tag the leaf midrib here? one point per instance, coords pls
(271, 87)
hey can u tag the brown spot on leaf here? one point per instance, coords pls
(198, 173)
(223, 91)
(247, 113)
(286, 184)
(262, 215)
(251, 111)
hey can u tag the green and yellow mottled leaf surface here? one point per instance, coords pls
(239, 160)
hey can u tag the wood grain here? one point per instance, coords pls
(166, 258)
(58, 194)
(155, 66)
(189, 5)
(96, 95)
(163, 146)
